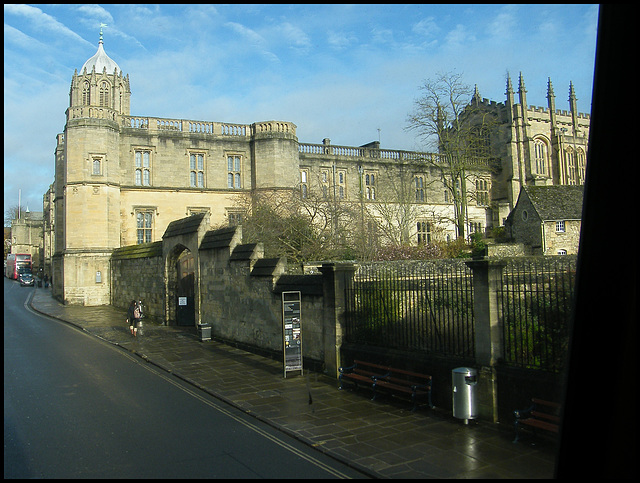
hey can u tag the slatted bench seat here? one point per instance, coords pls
(362, 373)
(540, 415)
(402, 382)
(387, 379)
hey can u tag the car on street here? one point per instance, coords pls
(26, 279)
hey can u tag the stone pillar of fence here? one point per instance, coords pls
(487, 277)
(335, 277)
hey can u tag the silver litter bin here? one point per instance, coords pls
(204, 331)
(464, 382)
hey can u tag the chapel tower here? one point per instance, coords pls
(87, 181)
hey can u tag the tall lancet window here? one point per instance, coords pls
(541, 156)
(86, 94)
(104, 94)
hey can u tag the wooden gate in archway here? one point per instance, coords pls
(185, 289)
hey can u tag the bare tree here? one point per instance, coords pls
(448, 119)
(300, 228)
(11, 214)
(395, 205)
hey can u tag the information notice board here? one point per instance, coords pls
(292, 335)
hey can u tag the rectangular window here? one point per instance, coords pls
(234, 172)
(419, 187)
(324, 180)
(196, 170)
(144, 222)
(235, 218)
(142, 168)
(424, 232)
(482, 192)
(341, 182)
(559, 226)
(370, 185)
(304, 180)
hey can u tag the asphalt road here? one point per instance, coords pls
(78, 407)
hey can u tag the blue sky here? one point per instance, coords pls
(350, 73)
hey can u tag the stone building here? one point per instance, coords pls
(547, 219)
(121, 180)
(26, 237)
(531, 146)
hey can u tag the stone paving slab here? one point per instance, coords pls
(383, 437)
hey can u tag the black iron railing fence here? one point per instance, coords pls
(428, 306)
(536, 302)
(412, 306)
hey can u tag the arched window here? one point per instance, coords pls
(104, 94)
(570, 167)
(480, 142)
(582, 159)
(541, 155)
(86, 94)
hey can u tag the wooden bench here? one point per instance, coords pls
(387, 379)
(399, 381)
(540, 415)
(362, 373)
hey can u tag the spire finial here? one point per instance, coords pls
(509, 85)
(521, 87)
(101, 26)
(476, 95)
(572, 92)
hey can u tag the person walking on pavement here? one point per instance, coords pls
(133, 316)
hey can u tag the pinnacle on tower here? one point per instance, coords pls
(476, 99)
(572, 95)
(550, 93)
(522, 92)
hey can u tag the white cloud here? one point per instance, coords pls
(427, 27)
(504, 26)
(340, 40)
(294, 36)
(42, 21)
(459, 36)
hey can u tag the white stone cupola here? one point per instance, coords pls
(100, 89)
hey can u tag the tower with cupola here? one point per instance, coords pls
(87, 181)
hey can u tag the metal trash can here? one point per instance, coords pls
(204, 332)
(464, 384)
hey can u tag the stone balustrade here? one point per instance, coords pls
(376, 153)
(207, 127)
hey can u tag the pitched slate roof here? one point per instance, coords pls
(184, 225)
(556, 202)
(219, 238)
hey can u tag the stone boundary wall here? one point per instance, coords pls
(137, 273)
(240, 295)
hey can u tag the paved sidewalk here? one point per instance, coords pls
(383, 438)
